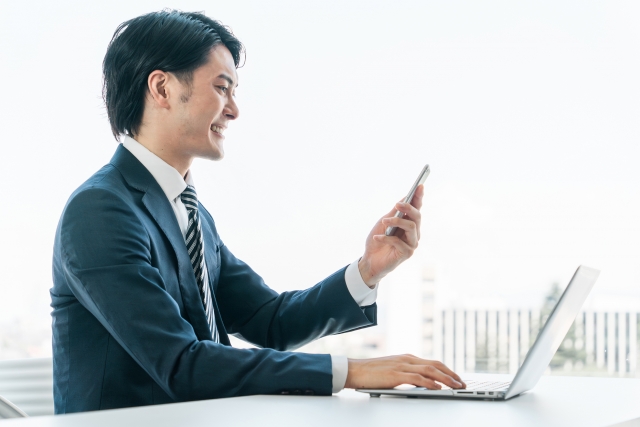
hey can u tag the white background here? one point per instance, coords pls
(527, 112)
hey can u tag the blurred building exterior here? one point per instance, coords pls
(602, 343)
(598, 343)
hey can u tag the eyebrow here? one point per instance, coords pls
(227, 78)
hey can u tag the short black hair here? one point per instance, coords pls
(169, 40)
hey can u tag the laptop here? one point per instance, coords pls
(537, 359)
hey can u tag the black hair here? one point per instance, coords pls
(169, 40)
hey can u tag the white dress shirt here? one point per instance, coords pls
(173, 184)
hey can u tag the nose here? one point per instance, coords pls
(232, 111)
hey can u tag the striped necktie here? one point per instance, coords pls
(195, 247)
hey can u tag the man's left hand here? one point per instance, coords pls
(382, 254)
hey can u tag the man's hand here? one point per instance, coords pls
(389, 372)
(382, 254)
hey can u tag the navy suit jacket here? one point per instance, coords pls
(129, 327)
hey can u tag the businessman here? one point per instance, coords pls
(145, 292)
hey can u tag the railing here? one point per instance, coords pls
(28, 384)
(498, 340)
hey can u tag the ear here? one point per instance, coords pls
(157, 84)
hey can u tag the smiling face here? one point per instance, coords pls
(203, 110)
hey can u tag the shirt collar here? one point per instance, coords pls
(169, 179)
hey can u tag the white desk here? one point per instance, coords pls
(555, 401)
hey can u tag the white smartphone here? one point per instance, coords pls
(421, 179)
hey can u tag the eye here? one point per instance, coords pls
(224, 89)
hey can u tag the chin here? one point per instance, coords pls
(215, 154)
(211, 155)
(213, 150)
(216, 149)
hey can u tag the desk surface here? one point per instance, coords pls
(555, 401)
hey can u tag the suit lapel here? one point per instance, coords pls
(157, 204)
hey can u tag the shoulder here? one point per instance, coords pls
(107, 186)
(102, 198)
(101, 222)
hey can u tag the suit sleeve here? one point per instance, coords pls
(106, 259)
(288, 320)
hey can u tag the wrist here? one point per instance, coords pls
(351, 373)
(367, 274)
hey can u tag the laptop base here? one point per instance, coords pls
(481, 388)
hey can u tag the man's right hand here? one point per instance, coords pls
(391, 371)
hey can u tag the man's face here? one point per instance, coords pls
(204, 111)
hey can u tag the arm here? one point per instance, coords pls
(107, 263)
(288, 320)
(258, 314)
(382, 255)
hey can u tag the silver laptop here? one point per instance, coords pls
(537, 359)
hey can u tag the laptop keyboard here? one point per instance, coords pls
(483, 385)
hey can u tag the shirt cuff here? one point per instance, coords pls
(340, 368)
(361, 293)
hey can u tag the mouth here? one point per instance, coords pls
(217, 129)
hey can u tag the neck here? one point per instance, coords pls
(167, 148)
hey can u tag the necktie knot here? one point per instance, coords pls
(190, 198)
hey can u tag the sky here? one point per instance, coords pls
(527, 112)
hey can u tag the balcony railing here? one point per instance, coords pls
(598, 343)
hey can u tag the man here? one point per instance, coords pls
(145, 293)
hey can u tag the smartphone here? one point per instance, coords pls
(421, 179)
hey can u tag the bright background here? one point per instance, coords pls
(527, 112)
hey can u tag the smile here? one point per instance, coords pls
(217, 129)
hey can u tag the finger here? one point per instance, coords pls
(410, 234)
(434, 373)
(442, 367)
(400, 245)
(410, 212)
(418, 380)
(392, 212)
(416, 201)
